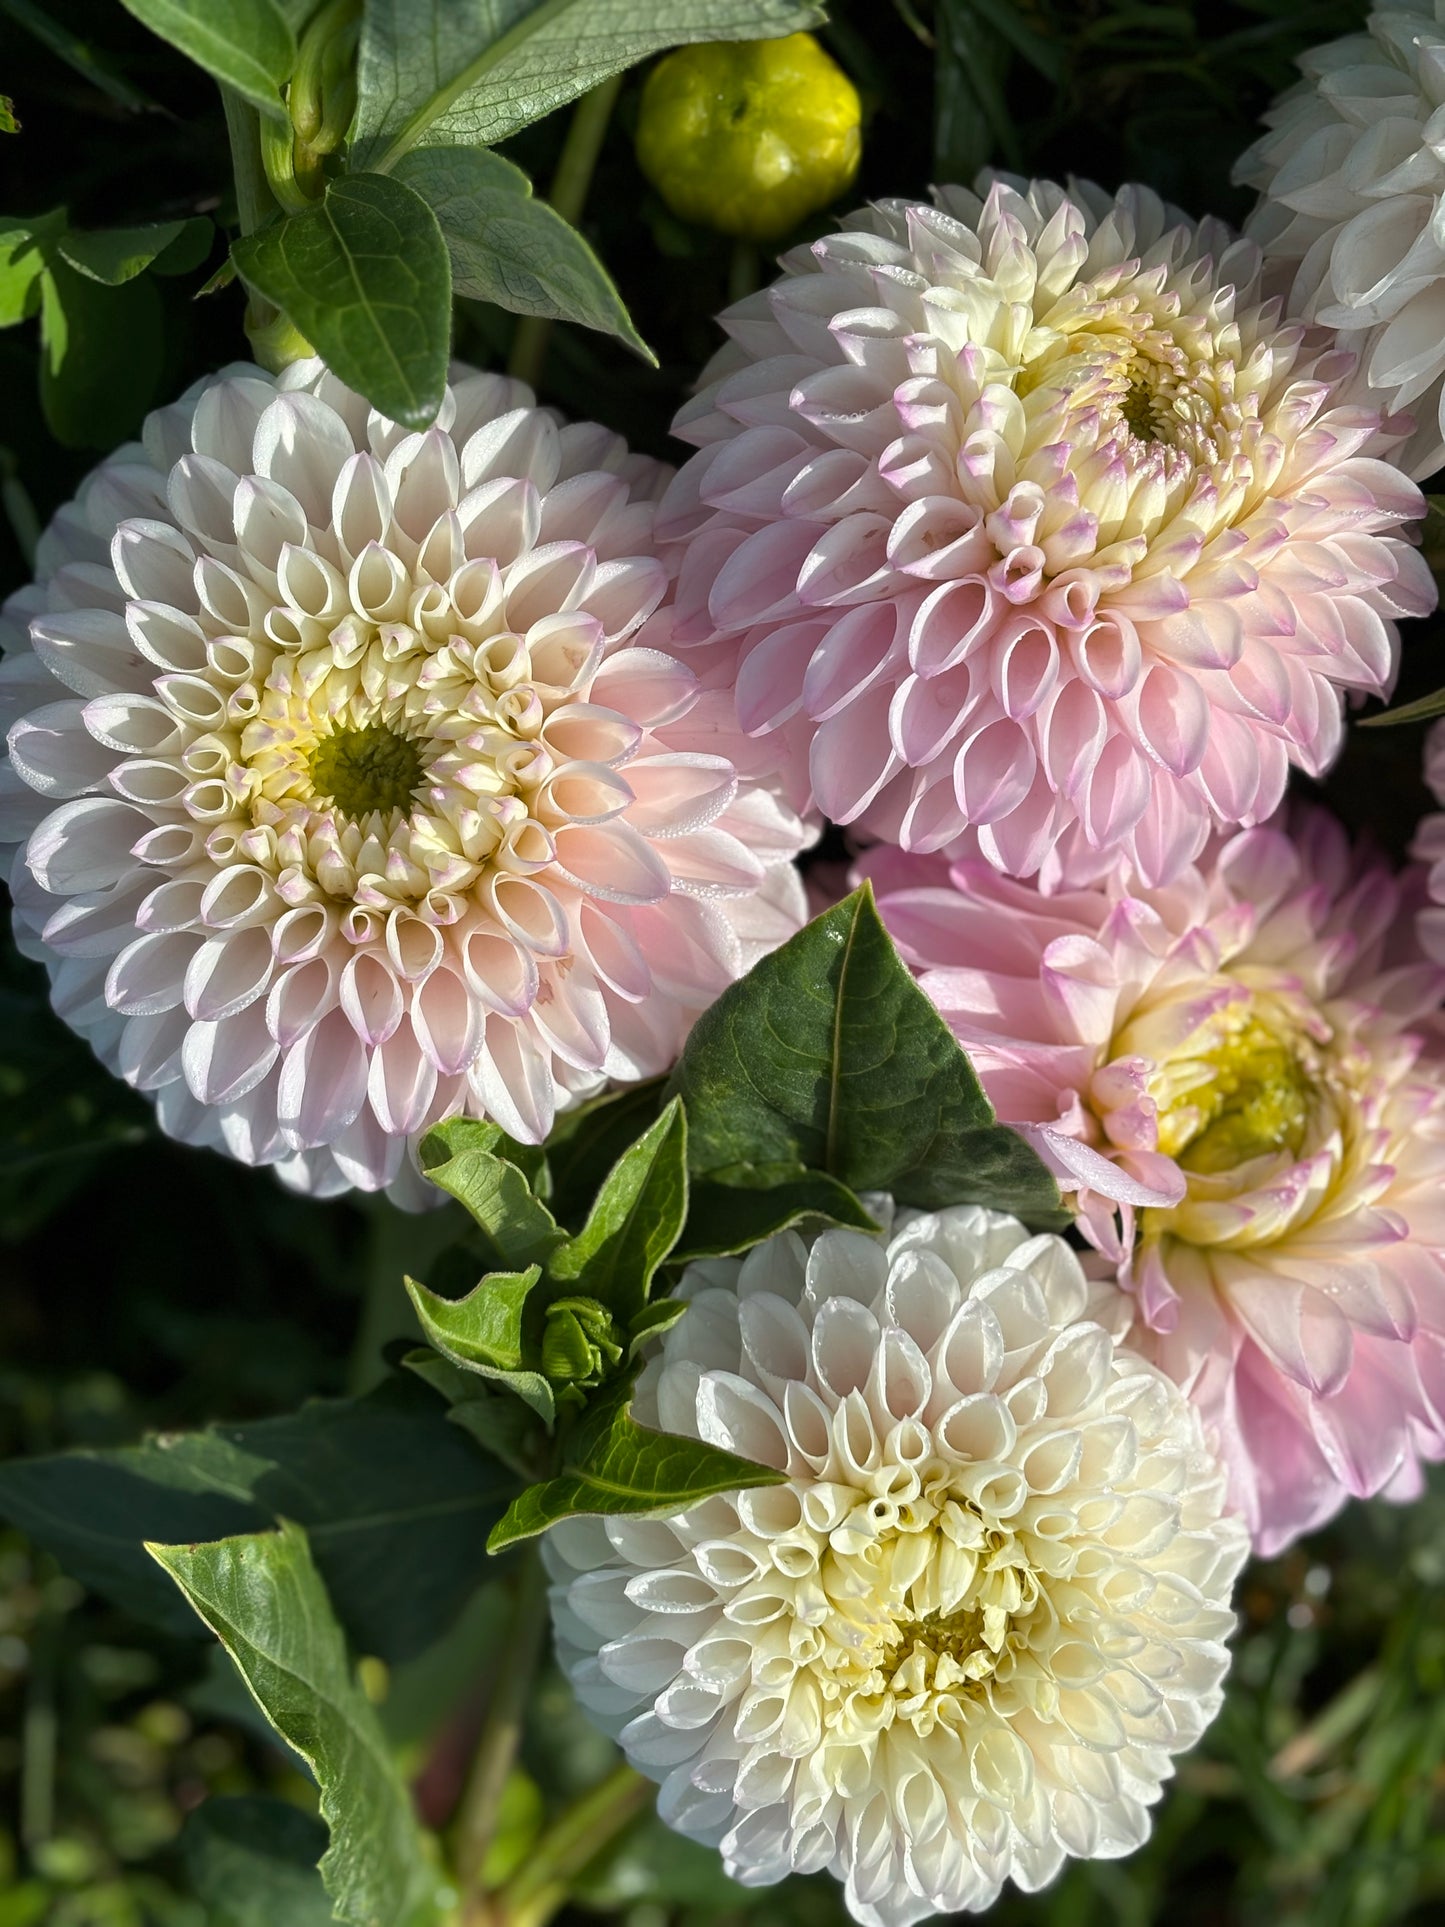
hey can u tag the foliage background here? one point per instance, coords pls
(144, 1285)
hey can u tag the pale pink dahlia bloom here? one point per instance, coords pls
(1240, 1079)
(342, 799)
(1024, 514)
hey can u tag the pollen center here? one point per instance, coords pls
(1246, 1094)
(365, 770)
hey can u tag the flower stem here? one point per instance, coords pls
(576, 1837)
(253, 192)
(497, 1748)
(570, 185)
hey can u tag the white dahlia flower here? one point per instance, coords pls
(967, 1636)
(342, 798)
(1351, 178)
(1024, 514)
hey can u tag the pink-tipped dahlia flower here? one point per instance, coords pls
(344, 798)
(1240, 1079)
(1024, 514)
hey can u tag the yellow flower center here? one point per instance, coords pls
(361, 770)
(1242, 1097)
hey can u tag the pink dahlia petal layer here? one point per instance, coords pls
(1240, 1080)
(979, 547)
(341, 797)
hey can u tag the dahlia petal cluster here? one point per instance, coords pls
(1240, 1081)
(1351, 215)
(341, 794)
(1023, 514)
(966, 1637)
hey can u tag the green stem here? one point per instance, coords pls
(574, 1839)
(253, 192)
(570, 185)
(497, 1748)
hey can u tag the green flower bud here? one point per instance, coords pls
(579, 1342)
(749, 136)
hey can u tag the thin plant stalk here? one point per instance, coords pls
(502, 1730)
(574, 1839)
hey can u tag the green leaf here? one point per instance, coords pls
(396, 1500)
(468, 75)
(734, 1213)
(252, 1863)
(587, 1142)
(263, 1598)
(483, 1331)
(512, 250)
(1420, 711)
(828, 1055)
(501, 1425)
(245, 44)
(611, 1464)
(654, 1319)
(76, 51)
(480, 1166)
(102, 355)
(8, 122)
(365, 276)
(114, 255)
(22, 262)
(635, 1221)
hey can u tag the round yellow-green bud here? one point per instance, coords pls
(749, 136)
(579, 1342)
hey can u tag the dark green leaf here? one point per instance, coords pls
(365, 276)
(396, 1500)
(634, 1223)
(828, 1055)
(587, 1142)
(245, 44)
(102, 355)
(252, 1863)
(467, 76)
(501, 1424)
(480, 1166)
(114, 255)
(611, 1464)
(483, 1331)
(22, 262)
(756, 1202)
(263, 1598)
(75, 50)
(512, 250)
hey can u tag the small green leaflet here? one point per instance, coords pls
(366, 278)
(829, 1056)
(262, 1597)
(481, 1167)
(611, 1464)
(512, 250)
(116, 255)
(245, 44)
(634, 1224)
(483, 1332)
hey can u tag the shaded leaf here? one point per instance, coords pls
(608, 1463)
(634, 1223)
(732, 1213)
(502, 1425)
(101, 355)
(513, 250)
(263, 1598)
(245, 44)
(396, 1500)
(365, 276)
(77, 52)
(587, 1141)
(22, 262)
(483, 1332)
(253, 1863)
(481, 1167)
(827, 1054)
(470, 75)
(115, 255)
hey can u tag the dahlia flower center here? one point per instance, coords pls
(361, 770)
(919, 1600)
(1247, 1095)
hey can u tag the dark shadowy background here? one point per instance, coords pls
(146, 1285)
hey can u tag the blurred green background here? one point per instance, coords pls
(144, 1285)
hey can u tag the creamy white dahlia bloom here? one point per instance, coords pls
(968, 1635)
(1023, 513)
(1351, 179)
(342, 798)
(1240, 1080)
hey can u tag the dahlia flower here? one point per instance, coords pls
(344, 800)
(1239, 1077)
(1024, 514)
(965, 1638)
(1429, 849)
(1351, 178)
